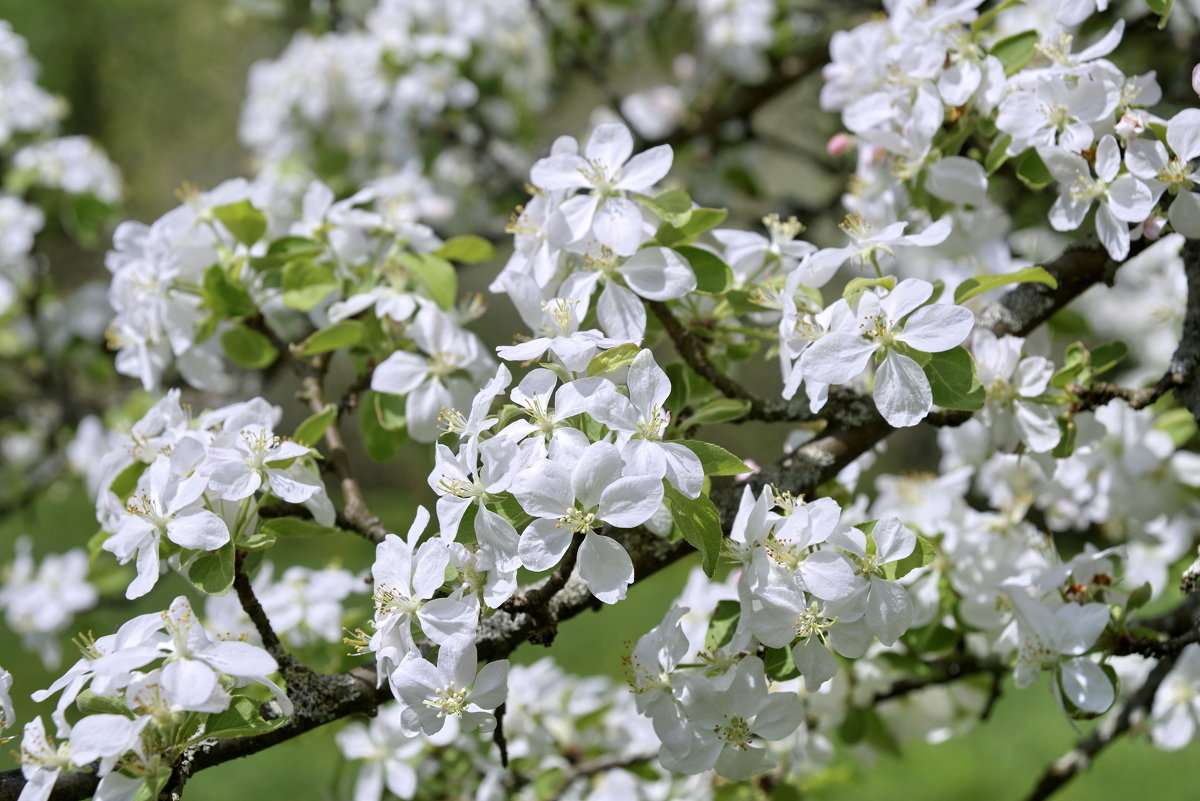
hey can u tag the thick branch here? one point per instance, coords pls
(1185, 363)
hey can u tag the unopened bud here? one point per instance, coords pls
(1153, 227)
(1196, 79)
(838, 145)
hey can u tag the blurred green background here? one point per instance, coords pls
(159, 84)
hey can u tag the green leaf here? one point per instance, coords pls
(1139, 597)
(341, 334)
(248, 348)
(1108, 356)
(307, 283)
(295, 527)
(1179, 424)
(923, 553)
(289, 248)
(982, 283)
(673, 206)
(701, 220)
(392, 411)
(259, 540)
(720, 410)
(713, 276)
(1032, 171)
(1066, 444)
(242, 718)
(313, 428)
(723, 624)
(1163, 9)
(611, 360)
(225, 298)
(212, 571)
(954, 381)
(857, 285)
(779, 664)
(246, 223)
(380, 443)
(699, 524)
(126, 481)
(998, 155)
(1075, 361)
(677, 374)
(466, 249)
(435, 274)
(716, 460)
(1015, 51)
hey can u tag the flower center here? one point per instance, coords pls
(448, 700)
(735, 733)
(578, 521)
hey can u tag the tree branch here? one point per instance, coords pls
(329, 697)
(1080, 757)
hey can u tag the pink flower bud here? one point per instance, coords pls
(1196, 79)
(1152, 228)
(838, 144)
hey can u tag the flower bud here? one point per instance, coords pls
(838, 145)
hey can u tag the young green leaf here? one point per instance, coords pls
(249, 348)
(699, 524)
(713, 276)
(716, 460)
(307, 283)
(982, 283)
(719, 410)
(953, 379)
(246, 223)
(341, 334)
(466, 249)
(313, 428)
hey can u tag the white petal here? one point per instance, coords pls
(400, 373)
(958, 179)
(199, 529)
(564, 171)
(1086, 684)
(618, 224)
(605, 567)
(902, 392)
(889, 610)
(609, 147)
(621, 313)
(646, 169)
(629, 502)
(658, 274)
(937, 327)
(836, 358)
(543, 544)
(1185, 214)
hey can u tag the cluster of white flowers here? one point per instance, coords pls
(40, 600)
(551, 720)
(365, 99)
(582, 431)
(177, 281)
(29, 118)
(138, 716)
(192, 489)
